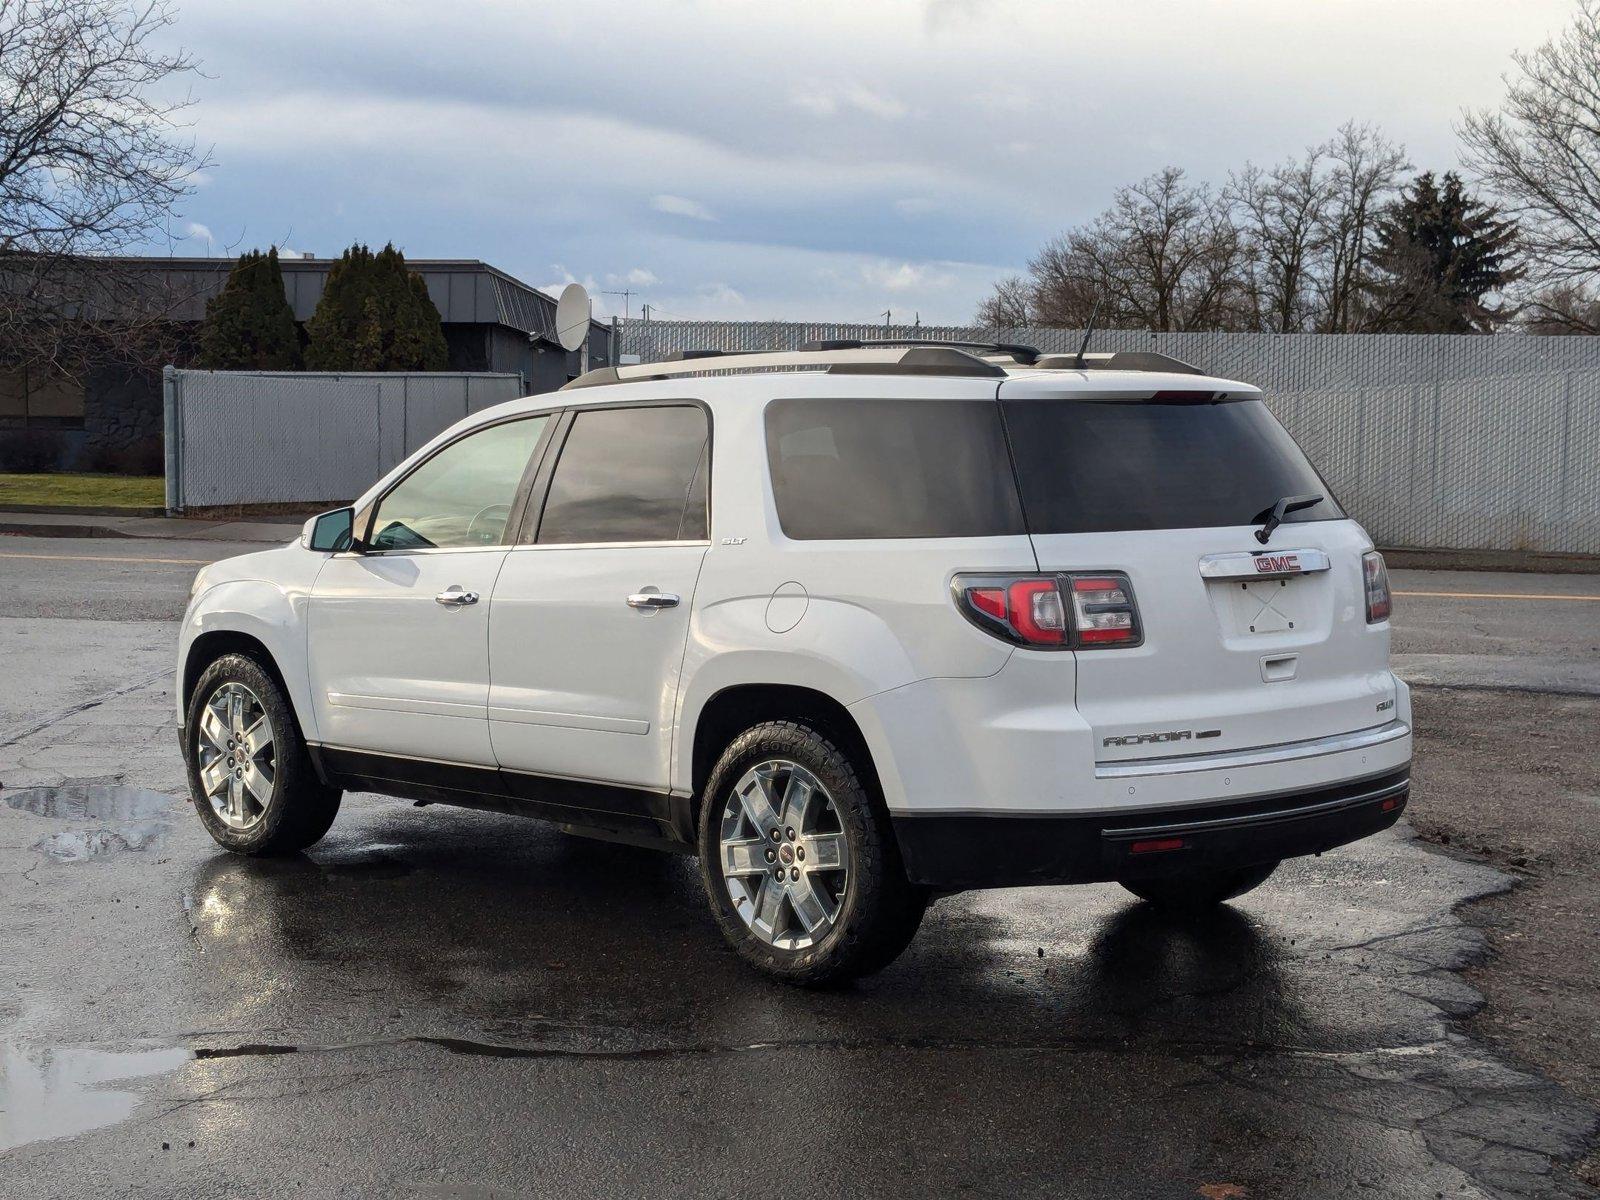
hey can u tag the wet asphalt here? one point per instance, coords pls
(438, 1002)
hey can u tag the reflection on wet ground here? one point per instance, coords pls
(544, 1003)
(120, 818)
(62, 1091)
(91, 802)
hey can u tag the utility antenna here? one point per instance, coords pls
(626, 295)
(1088, 332)
(887, 313)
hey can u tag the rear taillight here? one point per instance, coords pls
(1052, 612)
(1375, 578)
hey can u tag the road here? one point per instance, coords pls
(447, 1003)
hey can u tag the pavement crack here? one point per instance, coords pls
(55, 718)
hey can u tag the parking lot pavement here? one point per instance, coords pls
(446, 1003)
(1478, 629)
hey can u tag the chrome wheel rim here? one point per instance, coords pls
(235, 752)
(784, 854)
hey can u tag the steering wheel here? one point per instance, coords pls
(493, 520)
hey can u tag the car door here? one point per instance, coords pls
(590, 616)
(398, 632)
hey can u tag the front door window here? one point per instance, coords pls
(462, 496)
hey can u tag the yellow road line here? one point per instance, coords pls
(192, 562)
(1496, 596)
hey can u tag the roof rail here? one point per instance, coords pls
(934, 359)
(1121, 360)
(1027, 355)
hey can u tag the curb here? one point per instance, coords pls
(8, 529)
(85, 510)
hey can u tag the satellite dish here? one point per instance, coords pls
(572, 317)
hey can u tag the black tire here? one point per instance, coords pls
(1195, 893)
(301, 807)
(879, 910)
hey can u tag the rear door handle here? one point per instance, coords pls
(456, 596)
(649, 600)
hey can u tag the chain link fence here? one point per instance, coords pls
(266, 437)
(1439, 442)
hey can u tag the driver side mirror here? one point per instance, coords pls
(329, 533)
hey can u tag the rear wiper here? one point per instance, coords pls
(1281, 509)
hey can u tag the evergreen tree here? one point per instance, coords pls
(1440, 255)
(375, 315)
(249, 324)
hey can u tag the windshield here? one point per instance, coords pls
(1088, 466)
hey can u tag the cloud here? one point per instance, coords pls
(638, 277)
(680, 206)
(902, 277)
(827, 100)
(915, 206)
(197, 232)
(720, 295)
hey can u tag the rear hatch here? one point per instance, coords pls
(1244, 644)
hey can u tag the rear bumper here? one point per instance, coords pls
(967, 850)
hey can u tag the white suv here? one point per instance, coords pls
(857, 625)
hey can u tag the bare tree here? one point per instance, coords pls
(1366, 171)
(1007, 307)
(1540, 155)
(92, 162)
(1282, 216)
(1164, 256)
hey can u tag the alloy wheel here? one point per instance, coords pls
(784, 854)
(236, 754)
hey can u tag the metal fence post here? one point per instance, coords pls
(172, 440)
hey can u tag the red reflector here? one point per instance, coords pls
(1156, 845)
(988, 600)
(1392, 803)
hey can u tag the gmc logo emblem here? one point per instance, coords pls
(1277, 564)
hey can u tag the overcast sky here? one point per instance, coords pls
(814, 160)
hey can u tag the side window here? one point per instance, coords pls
(891, 469)
(630, 475)
(462, 495)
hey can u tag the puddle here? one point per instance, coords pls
(60, 1092)
(134, 818)
(91, 802)
(82, 844)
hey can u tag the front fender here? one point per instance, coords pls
(270, 613)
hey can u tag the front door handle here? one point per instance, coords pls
(648, 600)
(456, 596)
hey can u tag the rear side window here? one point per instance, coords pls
(1087, 466)
(890, 469)
(630, 475)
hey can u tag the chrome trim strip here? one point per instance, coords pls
(1122, 810)
(1263, 564)
(560, 720)
(401, 704)
(1261, 818)
(1338, 743)
(544, 547)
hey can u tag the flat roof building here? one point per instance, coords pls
(492, 322)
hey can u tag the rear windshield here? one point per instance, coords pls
(890, 469)
(1089, 466)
